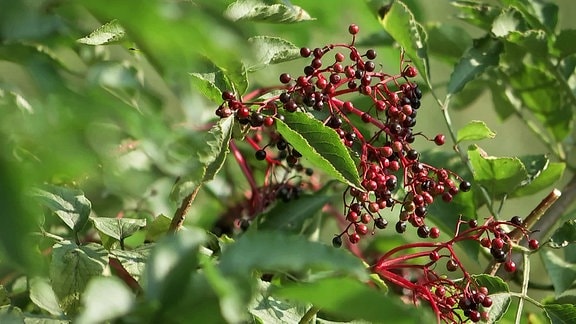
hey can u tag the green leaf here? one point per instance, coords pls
(534, 42)
(71, 268)
(499, 175)
(157, 228)
(560, 314)
(537, 14)
(110, 32)
(547, 176)
(564, 235)
(335, 295)
(170, 264)
(134, 261)
(499, 292)
(272, 50)
(473, 131)
(118, 228)
(70, 205)
(255, 10)
(291, 217)
(506, 22)
(400, 23)
(10, 314)
(483, 54)
(42, 294)
(565, 42)
(500, 101)
(278, 252)
(479, 14)
(561, 273)
(211, 85)
(105, 299)
(4, 296)
(269, 309)
(320, 145)
(447, 42)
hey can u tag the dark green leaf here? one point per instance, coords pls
(71, 268)
(320, 145)
(211, 85)
(4, 296)
(108, 33)
(157, 228)
(499, 292)
(272, 50)
(471, 92)
(565, 42)
(567, 297)
(337, 294)
(170, 264)
(118, 228)
(564, 235)
(499, 175)
(534, 42)
(542, 180)
(290, 253)
(447, 42)
(500, 101)
(11, 314)
(134, 261)
(473, 131)
(291, 217)
(482, 55)
(270, 309)
(105, 299)
(400, 23)
(479, 14)
(70, 205)
(256, 10)
(561, 314)
(42, 294)
(236, 72)
(561, 273)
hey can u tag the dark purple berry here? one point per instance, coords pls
(260, 155)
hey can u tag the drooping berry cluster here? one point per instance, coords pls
(452, 301)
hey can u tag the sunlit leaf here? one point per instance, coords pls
(118, 228)
(108, 33)
(473, 131)
(477, 13)
(42, 294)
(70, 205)
(134, 261)
(211, 85)
(105, 299)
(320, 145)
(564, 235)
(256, 10)
(560, 314)
(272, 50)
(270, 309)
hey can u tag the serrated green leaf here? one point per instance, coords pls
(534, 42)
(290, 217)
(506, 22)
(561, 273)
(272, 50)
(335, 295)
(291, 253)
(564, 235)
(560, 313)
(494, 284)
(134, 261)
(42, 294)
(320, 145)
(538, 14)
(270, 309)
(499, 292)
(473, 131)
(211, 85)
(499, 175)
(108, 33)
(565, 42)
(70, 205)
(157, 228)
(400, 23)
(105, 299)
(483, 54)
(546, 178)
(71, 268)
(479, 14)
(118, 228)
(255, 10)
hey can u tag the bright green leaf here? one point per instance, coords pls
(477, 13)
(564, 235)
(157, 228)
(108, 33)
(320, 145)
(483, 54)
(272, 50)
(71, 268)
(70, 205)
(256, 10)
(561, 273)
(134, 261)
(105, 299)
(473, 131)
(211, 85)
(42, 294)
(118, 228)
(337, 294)
(505, 23)
(291, 253)
(400, 23)
(499, 175)
(560, 314)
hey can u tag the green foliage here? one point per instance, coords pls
(107, 126)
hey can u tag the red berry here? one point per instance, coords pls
(434, 232)
(285, 78)
(361, 229)
(485, 242)
(227, 95)
(510, 266)
(352, 217)
(268, 121)
(533, 244)
(451, 265)
(439, 139)
(373, 207)
(339, 57)
(353, 29)
(410, 72)
(434, 256)
(365, 218)
(474, 316)
(440, 291)
(354, 238)
(487, 302)
(305, 52)
(498, 243)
